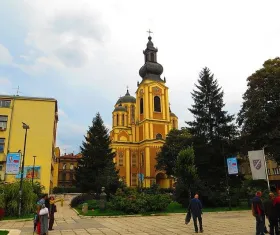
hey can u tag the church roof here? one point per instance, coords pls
(120, 108)
(127, 98)
(151, 69)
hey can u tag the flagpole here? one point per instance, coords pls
(267, 179)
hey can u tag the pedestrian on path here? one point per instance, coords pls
(40, 204)
(258, 213)
(271, 214)
(195, 207)
(52, 210)
(44, 215)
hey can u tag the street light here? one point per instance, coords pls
(33, 169)
(25, 127)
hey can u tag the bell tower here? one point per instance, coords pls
(141, 124)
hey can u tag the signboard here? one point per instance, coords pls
(232, 166)
(28, 172)
(13, 163)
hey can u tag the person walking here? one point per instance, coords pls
(195, 207)
(258, 213)
(44, 214)
(271, 214)
(40, 204)
(52, 210)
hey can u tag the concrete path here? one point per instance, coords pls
(68, 223)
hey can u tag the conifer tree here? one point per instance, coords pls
(212, 128)
(96, 168)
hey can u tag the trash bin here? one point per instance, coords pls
(85, 208)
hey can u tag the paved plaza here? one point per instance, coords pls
(68, 223)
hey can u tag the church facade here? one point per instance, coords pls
(141, 124)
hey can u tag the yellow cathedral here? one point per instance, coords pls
(141, 124)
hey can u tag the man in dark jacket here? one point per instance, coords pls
(271, 214)
(258, 212)
(196, 210)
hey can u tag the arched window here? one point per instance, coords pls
(117, 119)
(132, 112)
(152, 57)
(141, 106)
(123, 120)
(120, 159)
(157, 107)
(134, 160)
(158, 136)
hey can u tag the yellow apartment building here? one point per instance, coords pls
(40, 114)
(141, 124)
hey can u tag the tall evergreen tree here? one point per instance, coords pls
(96, 168)
(212, 128)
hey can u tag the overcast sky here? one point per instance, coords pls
(85, 52)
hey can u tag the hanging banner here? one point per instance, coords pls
(28, 172)
(257, 164)
(232, 166)
(12, 163)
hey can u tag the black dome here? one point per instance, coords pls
(126, 99)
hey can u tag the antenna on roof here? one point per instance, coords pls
(18, 92)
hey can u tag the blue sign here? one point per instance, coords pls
(232, 166)
(141, 177)
(13, 163)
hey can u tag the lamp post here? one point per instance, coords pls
(34, 157)
(25, 127)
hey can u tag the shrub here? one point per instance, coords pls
(132, 202)
(11, 198)
(80, 199)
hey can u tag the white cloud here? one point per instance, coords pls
(5, 56)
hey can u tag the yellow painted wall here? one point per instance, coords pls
(40, 115)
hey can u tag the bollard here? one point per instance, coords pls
(85, 208)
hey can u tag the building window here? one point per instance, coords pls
(141, 106)
(158, 136)
(2, 145)
(157, 104)
(71, 176)
(134, 160)
(141, 159)
(133, 179)
(64, 176)
(5, 103)
(152, 57)
(174, 124)
(64, 166)
(120, 159)
(123, 120)
(71, 167)
(117, 119)
(1, 167)
(3, 122)
(132, 110)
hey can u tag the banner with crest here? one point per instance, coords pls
(257, 164)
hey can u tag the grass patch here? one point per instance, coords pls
(4, 232)
(27, 217)
(173, 207)
(98, 212)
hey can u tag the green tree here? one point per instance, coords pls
(176, 140)
(259, 117)
(96, 168)
(212, 129)
(186, 173)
